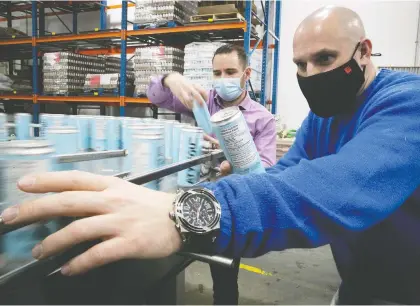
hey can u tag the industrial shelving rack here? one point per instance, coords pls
(122, 41)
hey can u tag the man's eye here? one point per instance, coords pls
(325, 59)
(301, 66)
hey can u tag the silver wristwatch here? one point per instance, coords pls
(197, 216)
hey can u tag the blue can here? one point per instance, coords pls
(202, 116)
(169, 126)
(147, 152)
(66, 141)
(176, 138)
(98, 134)
(48, 120)
(23, 126)
(82, 123)
(17, 159)
(236, 141)
(113, 133)
(191, 145)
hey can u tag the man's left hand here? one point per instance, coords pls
(132, 221)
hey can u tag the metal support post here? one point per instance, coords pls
(75, 11)
(41, 27)
(102, 15)
(35, 89)
(123, 68)
(265, 52)
(276, 57)
(248, 18)
(9, 25)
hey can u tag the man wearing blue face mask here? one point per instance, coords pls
(230, 73)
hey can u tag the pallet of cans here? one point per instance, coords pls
(152, 61)
(65, 72)
(156, 11)
(113, 65)
(107, 81)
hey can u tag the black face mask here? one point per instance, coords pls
(333, 92)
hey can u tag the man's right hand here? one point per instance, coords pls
(184, 90)
(225, 168)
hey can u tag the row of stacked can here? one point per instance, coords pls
(151, 143)
(155, 11)
(66, 72)
(153, 61)
(198, 63)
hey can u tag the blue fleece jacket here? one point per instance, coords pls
(348, 181)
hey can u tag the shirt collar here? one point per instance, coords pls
(244, 105)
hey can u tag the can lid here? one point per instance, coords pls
(225, 114)
(66, 129)
(25, 144)
(23, 114)
(193, 128)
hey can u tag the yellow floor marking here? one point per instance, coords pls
(254, 269)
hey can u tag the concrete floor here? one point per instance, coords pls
(294, 277)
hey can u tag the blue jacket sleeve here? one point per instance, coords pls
(316, 201)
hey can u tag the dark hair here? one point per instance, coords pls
(229, 48)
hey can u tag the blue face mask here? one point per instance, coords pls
(229, 89)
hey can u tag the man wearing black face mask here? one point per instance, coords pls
(350, 180)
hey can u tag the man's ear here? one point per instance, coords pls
(247, 73)
(366, 50)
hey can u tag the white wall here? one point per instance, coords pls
(391, 25)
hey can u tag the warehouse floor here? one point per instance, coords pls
(290, 277)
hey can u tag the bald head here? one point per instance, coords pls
(327, 39)
(333, 22)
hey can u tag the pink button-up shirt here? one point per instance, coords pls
(260, 121)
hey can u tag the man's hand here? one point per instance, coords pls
(225, 168)
(184, 90)
(132, 221)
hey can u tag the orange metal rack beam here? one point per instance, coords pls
(75, 99)
(117, 34)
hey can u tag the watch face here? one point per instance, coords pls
(199, 212)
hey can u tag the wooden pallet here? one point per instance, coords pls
(217, 17)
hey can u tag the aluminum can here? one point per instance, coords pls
(236, 141)
(82, 123)
(147, 154)
(176, 138)
(48, 120)
(17, 159)
(191, 146)
(202, 116)
(98, 133)
(113, 133)
(23, 126)
(65, 141)
(169, 125)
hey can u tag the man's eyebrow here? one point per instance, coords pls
(324, 51)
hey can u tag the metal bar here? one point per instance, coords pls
(265, 51)
(61, 20)
(248, 18)
(102, 14)
(74, 15)
(9, 25)
(87, 156)
(227, 262)
(276, 57)
(170, 169)
(35, 88)
(123, 61)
